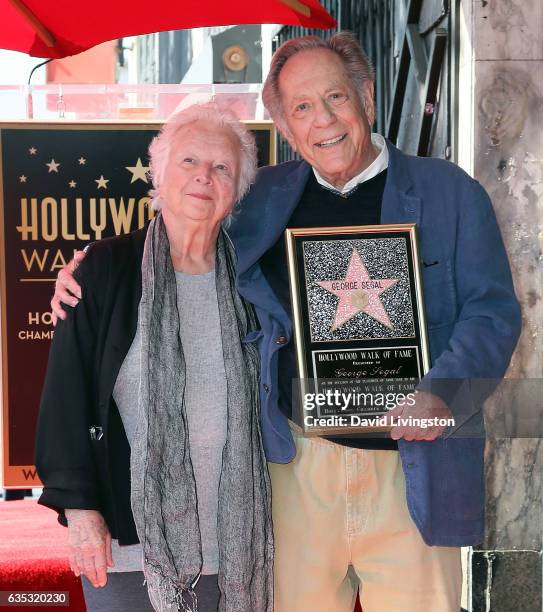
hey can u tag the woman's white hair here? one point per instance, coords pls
(209, 113)
(344, 44)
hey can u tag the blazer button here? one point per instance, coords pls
(280, 340)
(266, 388)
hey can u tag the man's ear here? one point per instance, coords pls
(368, 101)
(283, 129)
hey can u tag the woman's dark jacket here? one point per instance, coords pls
(82, 453)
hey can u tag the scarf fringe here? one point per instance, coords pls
(166, 596)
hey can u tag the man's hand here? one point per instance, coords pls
(90, 545)
(67, 291)
(426, 406)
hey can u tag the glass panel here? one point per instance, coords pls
(131, 102)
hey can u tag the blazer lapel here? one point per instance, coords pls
(400, 204)
(254, 236)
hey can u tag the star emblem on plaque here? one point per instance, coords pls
(358, 317)
(358, 293)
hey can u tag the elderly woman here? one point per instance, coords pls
(151, 392)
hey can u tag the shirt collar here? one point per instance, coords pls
(379, 164)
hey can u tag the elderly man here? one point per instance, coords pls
(385, 515)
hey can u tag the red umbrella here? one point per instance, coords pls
(46, 28)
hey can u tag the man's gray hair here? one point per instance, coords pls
(357, 66)
(209, 113)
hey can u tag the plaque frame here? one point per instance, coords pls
(305, 344)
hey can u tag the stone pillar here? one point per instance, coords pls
(501, 144)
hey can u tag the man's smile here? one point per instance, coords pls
(331, 142)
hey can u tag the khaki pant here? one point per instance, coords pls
(341, 521)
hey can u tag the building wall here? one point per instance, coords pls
(501, 88)
(97, 65)
(176, 56)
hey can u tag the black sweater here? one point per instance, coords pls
(80, 470)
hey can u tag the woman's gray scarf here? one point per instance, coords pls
(163, 485)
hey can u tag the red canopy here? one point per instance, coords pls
(57, 28)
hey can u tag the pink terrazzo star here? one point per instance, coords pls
(357, 292)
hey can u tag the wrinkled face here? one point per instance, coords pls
(325, 119)
(201, 177)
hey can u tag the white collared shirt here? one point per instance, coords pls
(379, 164)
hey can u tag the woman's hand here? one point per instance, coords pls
(67, 291)
(90, 545)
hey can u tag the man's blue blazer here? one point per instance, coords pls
(472, 313)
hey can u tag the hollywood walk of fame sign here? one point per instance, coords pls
(359, 325)
(62, 185)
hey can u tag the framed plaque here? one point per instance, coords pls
(359, 325)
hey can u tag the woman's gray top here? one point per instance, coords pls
(205, 401)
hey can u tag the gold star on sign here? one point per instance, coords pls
(22, 178)
(53, 166)
(72, 184)
(139, 172)
(32, 150)
(82, 161)
(102, 182)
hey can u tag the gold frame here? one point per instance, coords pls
(294, 282)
